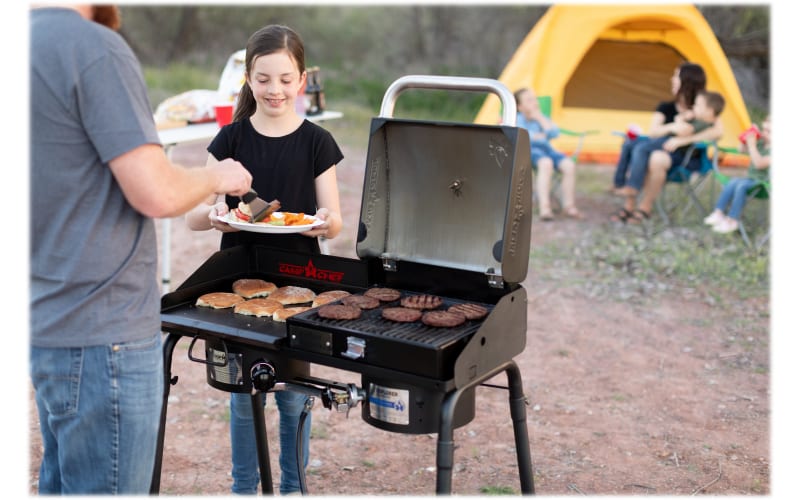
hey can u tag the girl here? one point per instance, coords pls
(544, 158)
(294, 161)
(734, 194)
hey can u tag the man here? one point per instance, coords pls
(98, 176)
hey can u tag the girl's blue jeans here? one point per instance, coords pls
(243, 441)
(735, 194)
(99, 413)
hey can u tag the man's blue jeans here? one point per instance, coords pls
(243, 441)
(735, 194)
(99, 413)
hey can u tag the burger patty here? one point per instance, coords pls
(401, 314)
(383, 294)
(421, 301)
(443, 319)
(339, 311)
(470, 310)
(361, 301)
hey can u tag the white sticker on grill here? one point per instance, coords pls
(388, 404)
(230, 373)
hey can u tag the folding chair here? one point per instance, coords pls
(757, 220)
(683, 186)
(546, 105)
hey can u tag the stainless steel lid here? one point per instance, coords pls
(448, 194)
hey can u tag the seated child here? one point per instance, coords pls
(707, 107)
(734, 194)
(544, 158)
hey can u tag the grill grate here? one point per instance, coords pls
(373, 324)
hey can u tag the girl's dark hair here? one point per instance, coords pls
(268, 40)
(693, 80)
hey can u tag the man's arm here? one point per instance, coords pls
(159, 188)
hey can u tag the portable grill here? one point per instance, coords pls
(446, 211)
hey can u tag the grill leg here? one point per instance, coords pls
(516, 401)
(168, 347)
(445, 444)
(261, 443)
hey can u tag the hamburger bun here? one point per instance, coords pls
(218, 300)
(252, 288)
(288, 295)
(328, 297)
(281, 314)
(257, 307)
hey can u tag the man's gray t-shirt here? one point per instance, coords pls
(93, 257)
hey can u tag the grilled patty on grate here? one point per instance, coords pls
(361, 301)
(339, 311)
(383, 294)
(470, 310)
(401, 314)
(421, 301)
(443, 319)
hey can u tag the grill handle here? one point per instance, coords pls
(433, 82)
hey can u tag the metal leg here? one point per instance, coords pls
(517, 403)
(261, 443)
(168, 347)
(445, 445)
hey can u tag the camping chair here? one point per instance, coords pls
(757, 220)
(546, 105)
(683, 187)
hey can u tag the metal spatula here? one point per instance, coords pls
(259, 209)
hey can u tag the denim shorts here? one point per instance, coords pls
(99, 414)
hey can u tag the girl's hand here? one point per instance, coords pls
(219, 210)
(322, 229)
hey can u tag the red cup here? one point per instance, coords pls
(223, 113)
(752, 130)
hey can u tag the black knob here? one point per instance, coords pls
(262, 374)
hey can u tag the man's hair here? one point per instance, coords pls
(714, 100)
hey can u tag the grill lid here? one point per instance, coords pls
(448, 194)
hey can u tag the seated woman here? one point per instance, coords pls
(544, 158)
(652, 166)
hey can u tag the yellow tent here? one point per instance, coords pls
(607, 66)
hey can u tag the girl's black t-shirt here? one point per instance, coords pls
(283, 168)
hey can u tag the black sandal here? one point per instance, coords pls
(639, 216)
(622, 216)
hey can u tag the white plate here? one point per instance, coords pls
(260, 227)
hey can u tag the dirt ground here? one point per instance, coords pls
(665, 399)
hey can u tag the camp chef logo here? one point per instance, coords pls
(310, 271)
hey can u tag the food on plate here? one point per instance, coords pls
(242, 214)
(287, 312)
(339, 311)
(219, 300)
(250, 288)
(288, 295)
(423, 301)
(361, 301)
(401, 314)
(257, 307)
(328, 297)
(443, 319)
(470, 310)
(383, 294)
